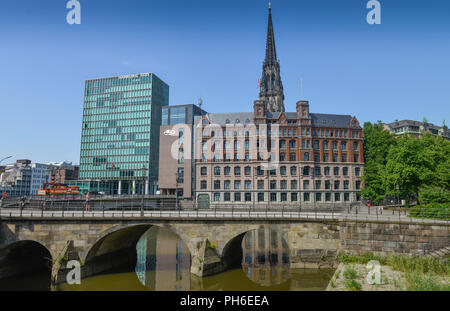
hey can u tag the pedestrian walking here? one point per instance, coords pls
(88, 198)
(2, 199)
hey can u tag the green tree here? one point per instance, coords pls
(377, 143)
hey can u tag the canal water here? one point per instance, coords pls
(163, 263)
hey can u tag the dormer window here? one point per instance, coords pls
(238, 121)
(227, 121)
(247, 121)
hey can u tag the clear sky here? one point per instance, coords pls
(214, 50)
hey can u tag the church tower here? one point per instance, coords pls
(271, 91)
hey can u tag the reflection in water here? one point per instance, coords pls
(163, 263)
(265, 258)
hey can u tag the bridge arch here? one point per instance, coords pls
(117, 246)
(25, 257)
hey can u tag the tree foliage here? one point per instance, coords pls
(405, 166)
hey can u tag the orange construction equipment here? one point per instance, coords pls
(58, 189)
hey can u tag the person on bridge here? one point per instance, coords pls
(3, 198)
(88, 197)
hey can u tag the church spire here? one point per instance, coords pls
(271, 86)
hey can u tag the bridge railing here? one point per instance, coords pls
(161, 209)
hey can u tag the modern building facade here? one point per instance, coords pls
(269, 157)
(23, 178)
(120, 133)
(176, 164)
(416, 128)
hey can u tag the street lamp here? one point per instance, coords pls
(5, 159)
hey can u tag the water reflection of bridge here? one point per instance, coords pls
(163, 261)
(265, 257)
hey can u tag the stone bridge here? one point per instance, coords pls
(215, 245)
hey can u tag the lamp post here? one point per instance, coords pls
(5, 158)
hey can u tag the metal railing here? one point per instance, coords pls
(166, 209)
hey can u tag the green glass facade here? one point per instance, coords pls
(120, 132)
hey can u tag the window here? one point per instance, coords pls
(227, 196)
(345, 171)
(327, 197)
(237, 171)
(282, 144)
(217, 184)
(273, 184)
(180, 156)
(180, 175)
(283, 184)
(248, 197)
(355, 158)
(237, 185)
(306, 196)
(248, 185)
(283, 170)
(260, 197)
(203, 171)
(346, 197)
(293, 197)
(226, 170)
(316, 157)
(355, 146)
(318, 197)
(325, 157)
(335, 157)
(336, 171)
(293, 185)
(260, 184)
(226, 184)
(282, 157)
(237, 196)
(292, 144)
(273, 196)
(317, 171)
(327, 185)
(203, 184)
(334, 145)
(343, 146)
(358, 185)
(306, 184)
(247, 170)
(346, 184)
(357, 171)
(325, 145)
(326, 171)
(318, 183)
(306, 171)
(293, 157)
(306, 156)
(316, 144)
(344, 158)
(283, 197)
(217, 158)
(336, 184)
(216, 196)
(337, 197)
(217, 171)
(293, 170)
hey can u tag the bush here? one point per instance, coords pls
(352, 285)
(350, 273)
(431, 194)
(423, 282)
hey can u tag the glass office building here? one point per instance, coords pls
(120, 133)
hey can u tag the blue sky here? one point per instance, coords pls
(214, 50)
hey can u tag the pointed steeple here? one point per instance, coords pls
(271, 86)
(271, 52)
